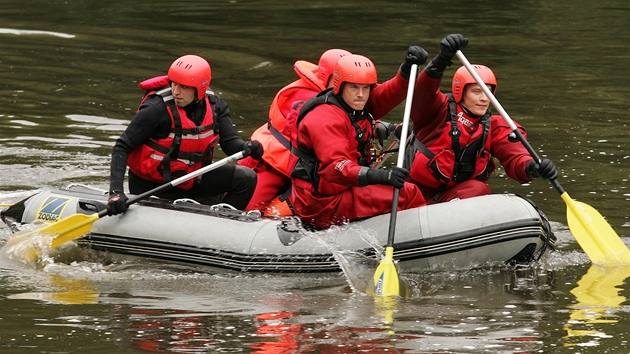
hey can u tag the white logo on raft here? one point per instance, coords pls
(341, 165)
(52, 207)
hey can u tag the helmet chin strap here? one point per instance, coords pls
(194, 111)
(467, 111)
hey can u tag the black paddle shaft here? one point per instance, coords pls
(532, 152)
(392, 219)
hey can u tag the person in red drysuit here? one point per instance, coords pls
(272, 174)
(332, 182)
(457, 137)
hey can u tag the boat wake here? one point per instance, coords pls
(18, 251)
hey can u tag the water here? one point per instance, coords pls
(69, 81)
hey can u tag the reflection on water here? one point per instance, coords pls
(66, 291)
(151, 306)
(598, 298)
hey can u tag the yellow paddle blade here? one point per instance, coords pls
(593, 233)
(72, 228)
(386, 282)
(62, 231)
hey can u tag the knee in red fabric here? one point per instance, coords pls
(467, 189)
(249, 162)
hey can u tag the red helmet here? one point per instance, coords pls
(191, 70)
(356, 69)
(462, 78)
(327, 62)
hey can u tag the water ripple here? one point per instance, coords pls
(34, 32)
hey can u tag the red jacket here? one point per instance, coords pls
(276, 154)
(328, 131)
(431, 119)
(383, 98)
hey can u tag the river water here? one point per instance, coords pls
(70, 71)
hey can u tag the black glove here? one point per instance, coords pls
(545, 169)
(117, 203)
(254, 149)
(395, 176)
(448, 47)
(385, 130)
(451, 44)
(415, 55)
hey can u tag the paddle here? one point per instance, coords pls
(78, 225)
(596, 237)
(386, 282)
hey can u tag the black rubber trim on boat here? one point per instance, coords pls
(211, 257)
(475, 238)
(309, 263)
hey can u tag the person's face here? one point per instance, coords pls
(475, 100)
(184, 95)
(355, 95)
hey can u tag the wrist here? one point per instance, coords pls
(441, 61)
(375, 176)
(405, 70)
(363, 176)
(532, 170)
(448, 58)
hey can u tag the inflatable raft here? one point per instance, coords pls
(493, 229)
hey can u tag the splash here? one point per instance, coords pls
(358, 266)
(32, 252)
